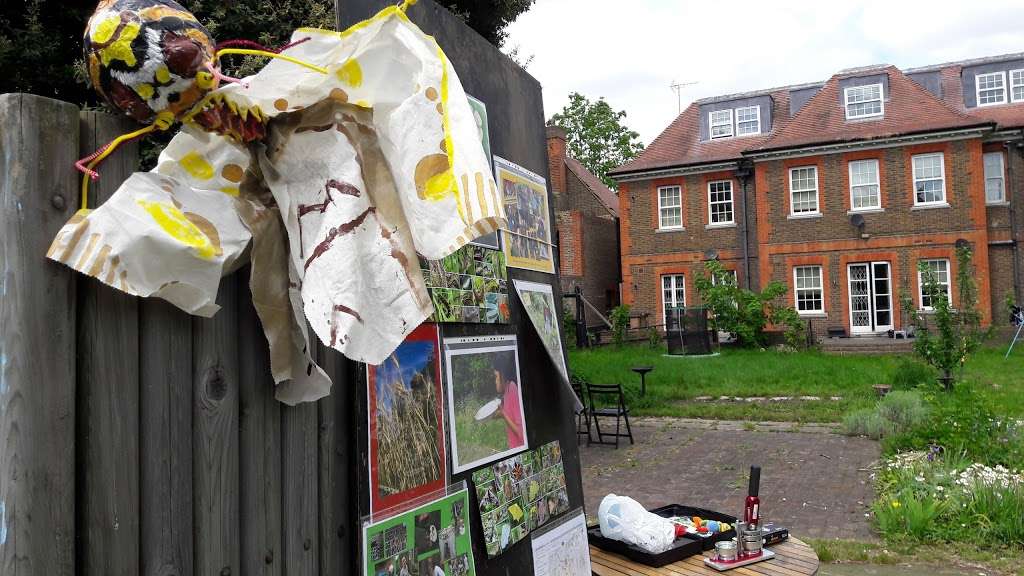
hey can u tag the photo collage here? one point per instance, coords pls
(520, 494)
(527, 240)
(470, 285)
(431, 540)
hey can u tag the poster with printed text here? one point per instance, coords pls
(430, 540)
(527, 240)
(563, 549)
(470, 285)
(539, 302)
(485, 400)
(520, 494)
(406, 422)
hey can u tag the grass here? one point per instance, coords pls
(676, 381)
(964, 556)
(478, 439)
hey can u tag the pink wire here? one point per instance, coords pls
(81, 164)
(258, 46)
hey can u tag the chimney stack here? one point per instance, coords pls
(556, 158)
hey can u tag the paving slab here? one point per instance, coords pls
(813, 481)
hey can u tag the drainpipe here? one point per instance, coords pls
(744, 170)
(1017, 288)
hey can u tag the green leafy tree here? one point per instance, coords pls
(947, 337)
(596, 135)
(746, 313)
(620, 323)
(490, 18)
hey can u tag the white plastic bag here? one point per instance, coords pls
(623, 518)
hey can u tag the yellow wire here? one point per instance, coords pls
(106, 152)
(405, 4)
(248, 52)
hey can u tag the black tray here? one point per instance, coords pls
(708, 542)
(682, 548)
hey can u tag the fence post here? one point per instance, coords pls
(38, 146)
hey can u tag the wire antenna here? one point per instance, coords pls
(677, 87)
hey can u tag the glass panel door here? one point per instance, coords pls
(870, 297)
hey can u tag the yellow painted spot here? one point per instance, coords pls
(178, 226)
(232, 172)
(121, 47)
(144, 90)
(351, 73)
(230, 190)
(363, 104)
(196, 166)
(431, 93)
(433, 177)
(163, 75)
(281, 104)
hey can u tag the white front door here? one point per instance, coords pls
(870, 297)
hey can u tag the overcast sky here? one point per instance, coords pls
(630, 51)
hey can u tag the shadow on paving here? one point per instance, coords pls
(816, 484)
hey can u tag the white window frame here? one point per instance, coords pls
(820, 289)
(817, 193)
(877, 184)
(977, 89)
(756, 120)
(920, 283)
(1017, 84)
(661, 220)
(731, 202)
(715, 279)
(1002, 177)
(881, 101)
(678, 283)
(941, 178)
(712, 124)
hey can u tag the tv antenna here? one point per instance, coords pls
(678, 88)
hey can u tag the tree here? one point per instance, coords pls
(488, 17)
(746, 313)
(957, 332)
(596, 135)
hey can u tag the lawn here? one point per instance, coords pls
(676, 381)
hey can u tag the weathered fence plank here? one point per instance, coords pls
(335, 454)
(165, 374)
(215, 437)
(108, 389)
(38, 142)
(259, 444)
(299, 477)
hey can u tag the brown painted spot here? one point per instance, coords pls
(444, 147)
(207, 228)
(431, 94)
(440, 108)
(281, 104)
(339, 95)
(232, 173)
(427, 168)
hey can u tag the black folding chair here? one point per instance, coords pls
(612, 405)
(583, 416)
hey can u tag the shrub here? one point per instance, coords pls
(568, 327)
(866, 422)
(620, 322)
(897, 412)
(653, 338)
(910, 374)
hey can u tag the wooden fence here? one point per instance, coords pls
(134, 438)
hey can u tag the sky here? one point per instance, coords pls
(631, 51)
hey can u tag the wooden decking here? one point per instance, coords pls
(793, 558)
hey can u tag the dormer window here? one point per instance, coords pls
(864, 101)
(990, 88)
(721, 123)
(1016, 85)
(748, 120)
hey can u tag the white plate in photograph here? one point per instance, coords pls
(487, 409)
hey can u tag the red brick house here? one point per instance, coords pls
(587, 214)
(839, 189)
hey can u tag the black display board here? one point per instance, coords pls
(516, 121)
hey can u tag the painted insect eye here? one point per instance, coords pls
(183, 56)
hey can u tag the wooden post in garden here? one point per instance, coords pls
(38, 193)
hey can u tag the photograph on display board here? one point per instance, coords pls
(485, 400)
(527, 241)
(539, 302)
(520, 494)
(480, 117)
(563, 549)
(470, 285)
(425, 541)
(406, 422)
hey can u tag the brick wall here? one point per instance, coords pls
(595, 246)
